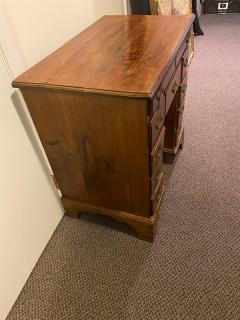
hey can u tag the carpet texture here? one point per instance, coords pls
(94, 268)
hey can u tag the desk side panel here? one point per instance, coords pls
(97, 146)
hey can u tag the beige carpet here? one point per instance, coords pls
(94, 268)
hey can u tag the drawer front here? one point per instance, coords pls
(173, 87)
(168, 75)
(179, 119)
(157, 122)
(182, 49)
(185, 61)
(155, 177)
(157, 196)
(179, 123)
(157, 151)
(183, 88)
(158, 101)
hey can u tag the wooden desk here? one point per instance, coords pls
(106, 106)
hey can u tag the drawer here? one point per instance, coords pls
(158, 101)
(173, 87)
(183, 88)
(185, 60)
(156, 123)
(157, 151)
(180, 117)
(157, 196)
(155, 177)
(178, 123)
(168, 75)
(181, 50)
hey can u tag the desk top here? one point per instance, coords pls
(121, 55)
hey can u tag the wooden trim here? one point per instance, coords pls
(20, 85)
(144, 227)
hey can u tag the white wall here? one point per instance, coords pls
(29, 208)
(42, 26)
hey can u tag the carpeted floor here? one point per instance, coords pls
(94, 268)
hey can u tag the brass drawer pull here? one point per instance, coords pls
(174, 87)
(159, 154)
(158, 125)
(177, 131)
(178, 108)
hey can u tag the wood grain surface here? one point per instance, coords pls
(125, 55)
(96, 145)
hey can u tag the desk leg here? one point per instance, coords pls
(144, 227)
